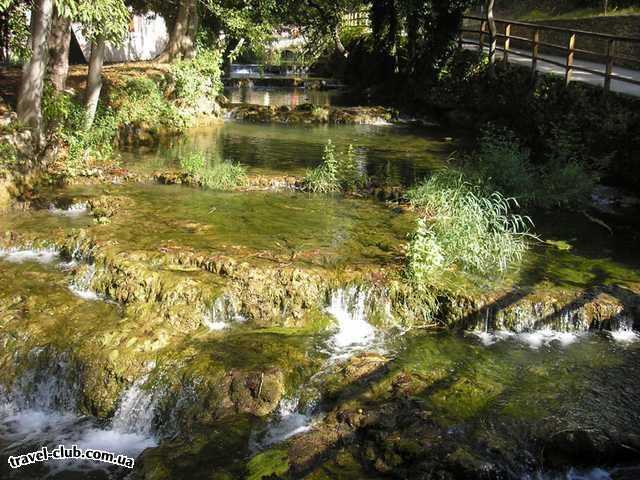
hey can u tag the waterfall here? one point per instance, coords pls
(46, 415)
(288, 421)
(136, 411)
(73, 210)
(20, 255)
(624, 331)
(221, 314)
(349, 307)
(81, 284)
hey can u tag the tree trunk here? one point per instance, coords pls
(493, 37)
(179, 37)
(94, 81)
(59, 43)
(30, 95)
(339, 46)
(188, 47)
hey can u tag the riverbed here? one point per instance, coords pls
(240, 334)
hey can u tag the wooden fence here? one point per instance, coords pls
(533, 47)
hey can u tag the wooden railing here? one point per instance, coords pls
(358, 19)
(568, 51)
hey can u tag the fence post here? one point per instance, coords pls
(507, 42)
(535, 47)
(570, 53)
(483, 28)
(611, 48)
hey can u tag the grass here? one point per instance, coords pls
(217, 175)
(462, 225)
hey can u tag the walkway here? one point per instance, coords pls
(577, 75)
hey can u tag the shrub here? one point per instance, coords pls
(8, 155)
(336, 172)
(219, 175)
(65, 115)
(198, 77)
(461, 225)
(141, 102)
(503, 164)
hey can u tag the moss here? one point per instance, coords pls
(268, 464)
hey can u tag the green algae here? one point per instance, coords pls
(268, 464)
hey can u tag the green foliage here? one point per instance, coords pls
(108, 19)
(197, 78)
(17, 31)
(141, 102)
(193, 163)
(576, 125)
(8, 155)
(336, 172)
(65, 115)
(216, 175)
(502, 164)
(462, 225)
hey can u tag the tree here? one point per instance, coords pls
(30, 94)
(182, 37)
(59, 43)
(102, 21)
(320, 20)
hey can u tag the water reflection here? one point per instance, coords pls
(391, 154)
(276, 97)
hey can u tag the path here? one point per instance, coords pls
(577, 75)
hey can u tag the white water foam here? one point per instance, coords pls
(81, 286)
(25, 429)
(73, 210)
(534, 339)
(221, 314)
(626, 335)
(286, 423)
(348, 307)
(20, 255)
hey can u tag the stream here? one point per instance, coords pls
(197, 331)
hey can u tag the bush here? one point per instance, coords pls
(8, 155)
(64, 116)
(141, 102)
(464, 226)
(219, 175)
(336, 172)
(576, 125)
(501, 163)
(197, 78)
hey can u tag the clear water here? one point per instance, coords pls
(394, 154)
(518, 383)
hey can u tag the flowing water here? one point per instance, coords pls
(203, 387)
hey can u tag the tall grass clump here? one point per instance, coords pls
(216, 175)
(337, 172)
(463, 226)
